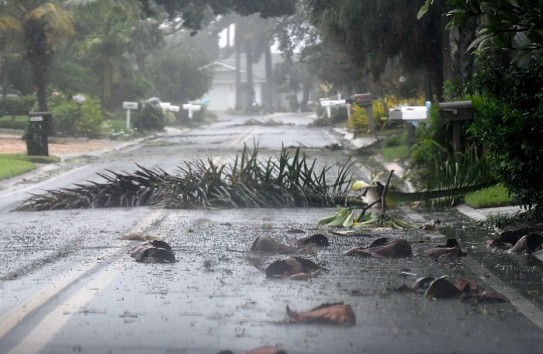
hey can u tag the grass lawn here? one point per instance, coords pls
(494, 196)
(117, 124)
(391, 153)
(12, 165)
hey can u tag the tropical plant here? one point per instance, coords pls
(511, 25)
(509, 43)
(106, 28)
(289, 180)
(510, 125)
(40, 24)
(359, 121)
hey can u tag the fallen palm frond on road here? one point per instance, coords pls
(290, 180)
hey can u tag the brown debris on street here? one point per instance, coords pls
(383, 248)
(334, 313)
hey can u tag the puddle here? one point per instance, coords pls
(522, 272)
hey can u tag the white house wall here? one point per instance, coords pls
(222, 96)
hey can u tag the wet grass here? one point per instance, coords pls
(12, 165)
(494, 196)
(392, 153)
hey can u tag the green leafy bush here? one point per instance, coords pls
(72, 120)
(510, 125)
(359, 120)
(149, 118)
(16, 106)
(14, 122)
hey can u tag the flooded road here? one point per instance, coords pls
(69, 284)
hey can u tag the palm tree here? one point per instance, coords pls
(111, 29)
(255, 34)
(9, 45)
(39, 24)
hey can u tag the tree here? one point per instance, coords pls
(372, 32)
(41, 23)
(254, 36)
(9, 28)
(192, 12)
(509, 46)
(177, 76)
(146, 37)
(515, 26)
(106, 30)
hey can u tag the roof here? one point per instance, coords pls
(228, 65)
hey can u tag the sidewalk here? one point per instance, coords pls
(12, 143)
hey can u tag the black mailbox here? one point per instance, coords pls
(456, 114)
(456, 111)
(36, 134)
(363, 99)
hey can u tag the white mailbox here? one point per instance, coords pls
(191, 107)
(410, 114)
(165, 105)
(330, 103)
(130, 105)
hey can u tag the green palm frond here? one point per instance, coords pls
(247, 182)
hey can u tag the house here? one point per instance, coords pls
(222, 94)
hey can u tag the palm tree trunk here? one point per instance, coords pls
(237, 46)
(39, 56)
(249, 70)
(270, 91)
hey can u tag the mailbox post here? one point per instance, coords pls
(191, 107)
(36, 134)
(366, 100)
(456, 113)
(328, 103)
(129, 106)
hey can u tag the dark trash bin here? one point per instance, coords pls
(36, 134)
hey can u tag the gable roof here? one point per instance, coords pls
(228, 65)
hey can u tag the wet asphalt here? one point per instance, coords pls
(69, 285)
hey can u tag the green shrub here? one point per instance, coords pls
(397, 139)
(72, 120)
(14, 122)
(149, 118)
(339, 114)
(16, 106)
(509, 122)
(359, 120)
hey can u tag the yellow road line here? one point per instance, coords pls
(237, 141)
(243, 136)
